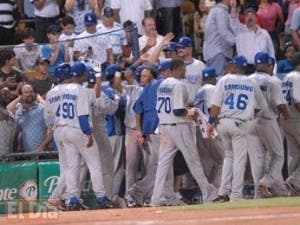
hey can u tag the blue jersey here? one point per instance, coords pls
(115, 123)
(146, 107)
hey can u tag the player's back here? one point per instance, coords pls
(235, 94)
(171, 94)
(75, 101)
(270, 87)
(291, 92)
(204, 97)
(53, 101)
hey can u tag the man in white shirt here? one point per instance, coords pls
(134, 10)
(91, 45)
(151, 38)
(250, 38)
(115, 31)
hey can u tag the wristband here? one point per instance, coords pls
(132, 68)
(211, 120)
(98, 75)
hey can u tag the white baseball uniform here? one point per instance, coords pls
(237, 96)
(210, 150)
(291, 127)
(101, 106)
(133, 151)
(51, 105)
(75, 101)
(267, 133)
(193, 78)
(176, 133)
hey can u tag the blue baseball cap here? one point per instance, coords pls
(63, 72)
(164, 65)
(172, 47)
(208, 73)
(111, 71)
(262, 58)
(271, 61)
(91, 78)
(185, 42)
(108, 11)
(138, 71)
(239, 61)
(78, 69)
(90, 18)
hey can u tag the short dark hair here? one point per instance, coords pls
(28, 33)
(176, 63)
(6, 54)
(68, 20)
(147, 18)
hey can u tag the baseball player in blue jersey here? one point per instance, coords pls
(115, 127)
(63, 74)
(147, 121)
(210, 150)
(175, 133)
(233, 104)
(291, 127)
(74, 132)
(268, 135)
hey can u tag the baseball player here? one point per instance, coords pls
(235, 98)
(291, 91)
(193, 77)
(175, 133)
(266, 128)
(211, 151)
(73, 131)
(63, 74)
(115, 127)
(101, 106)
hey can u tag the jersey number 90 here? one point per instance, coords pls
(67, 111)
(240, 102)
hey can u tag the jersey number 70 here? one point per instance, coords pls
(240, 102)
(165, 104)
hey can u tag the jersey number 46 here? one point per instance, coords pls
(240, 102)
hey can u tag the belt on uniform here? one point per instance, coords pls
(169, 124)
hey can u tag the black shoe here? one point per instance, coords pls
(104, 204)
(75, 207)
(221, 199)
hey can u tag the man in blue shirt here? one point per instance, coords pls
(30, 120)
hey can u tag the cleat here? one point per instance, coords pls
(147, 203)
(221, 199)
(291, 189)
(104, 203)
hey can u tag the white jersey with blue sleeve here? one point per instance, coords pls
(237, 96)
(291, 92)
(203, 100)
(271, 89)
(171, 94)
(75, 102)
